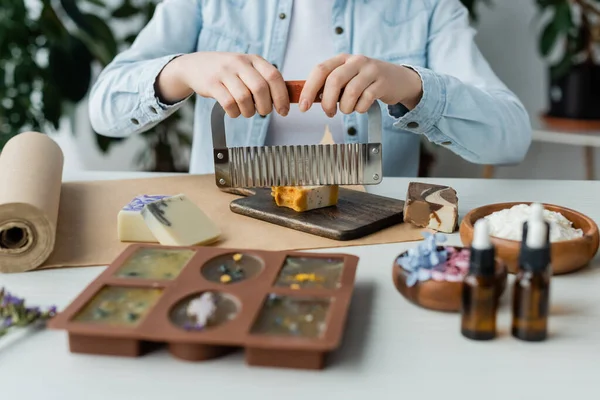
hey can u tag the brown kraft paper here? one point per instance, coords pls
(85, 232)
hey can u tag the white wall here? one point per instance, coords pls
(507, 37)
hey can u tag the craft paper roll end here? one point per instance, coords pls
(25, 243)
(30, 180)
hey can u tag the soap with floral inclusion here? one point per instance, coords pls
(177, 221)
(130, 224)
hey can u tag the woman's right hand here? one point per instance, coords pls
(242, 83)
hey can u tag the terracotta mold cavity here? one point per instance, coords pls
(292, 316)
(232, 268)
(215, 308)
(119, 306)
(155, 263)
(311, 272)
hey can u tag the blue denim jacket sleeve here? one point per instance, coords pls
(123, 99)
(464, 107)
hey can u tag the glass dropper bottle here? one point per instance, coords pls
(479, 300)
(531, 294)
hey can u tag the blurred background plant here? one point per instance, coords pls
(569, 41)
(49, 50)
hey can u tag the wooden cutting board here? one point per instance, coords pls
(356, 215)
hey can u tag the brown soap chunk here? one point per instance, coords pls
(431, 206)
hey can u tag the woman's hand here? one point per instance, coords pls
(363, 80)
(242, 83)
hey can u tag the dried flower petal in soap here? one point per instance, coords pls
(202, 308)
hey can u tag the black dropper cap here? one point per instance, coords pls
(534, 260)
(524, 234)
(482, 261)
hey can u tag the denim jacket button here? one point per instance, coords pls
(339, 30)
(282, 16)
(352, 131)
(135, 121)
(153, 110)
(413, 125)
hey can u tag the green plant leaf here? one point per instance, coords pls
(129, 39)
(149, 11)
(4, 138)
(563, 16)
(548, 39)
(72, 10)
(105, 142)
(103, 36)
(126, 10)
(184, 139)
(93, 31)
(99, 3)
(70, 68)
(51, 25)
(52, 104)
(560, 69)
(560, 24)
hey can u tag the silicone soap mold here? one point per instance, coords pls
(284, 309)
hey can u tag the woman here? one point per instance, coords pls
(417, 58)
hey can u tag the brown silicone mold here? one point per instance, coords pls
(285, 309)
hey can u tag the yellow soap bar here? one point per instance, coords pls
(304, 198)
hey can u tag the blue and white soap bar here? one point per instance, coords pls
(130, 223)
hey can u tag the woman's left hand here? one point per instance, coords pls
(363, 80)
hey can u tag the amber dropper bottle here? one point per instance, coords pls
(531, 294)
(479, 304)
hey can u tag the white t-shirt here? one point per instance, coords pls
(310, 42)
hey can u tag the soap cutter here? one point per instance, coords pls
(297, 165)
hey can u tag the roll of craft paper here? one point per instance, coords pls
(31, 166)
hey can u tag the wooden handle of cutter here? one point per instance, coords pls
(295, 88)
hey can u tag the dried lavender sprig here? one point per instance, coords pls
(14, 313)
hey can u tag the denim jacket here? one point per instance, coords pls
(465, 107)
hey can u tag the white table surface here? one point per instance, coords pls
(391, 349)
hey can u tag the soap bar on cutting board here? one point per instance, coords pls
(305, 198)
(176, 221)
(431, 206)
(130, 224)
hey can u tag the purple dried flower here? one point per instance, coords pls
(14, 313)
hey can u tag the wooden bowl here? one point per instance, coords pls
(441, 295)
(567, 256)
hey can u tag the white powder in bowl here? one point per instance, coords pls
(508, 224)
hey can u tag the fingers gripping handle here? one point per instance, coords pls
(294, 90)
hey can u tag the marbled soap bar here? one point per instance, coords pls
(431, 206)
(304, 198)
(130, 224)
(176, 221)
